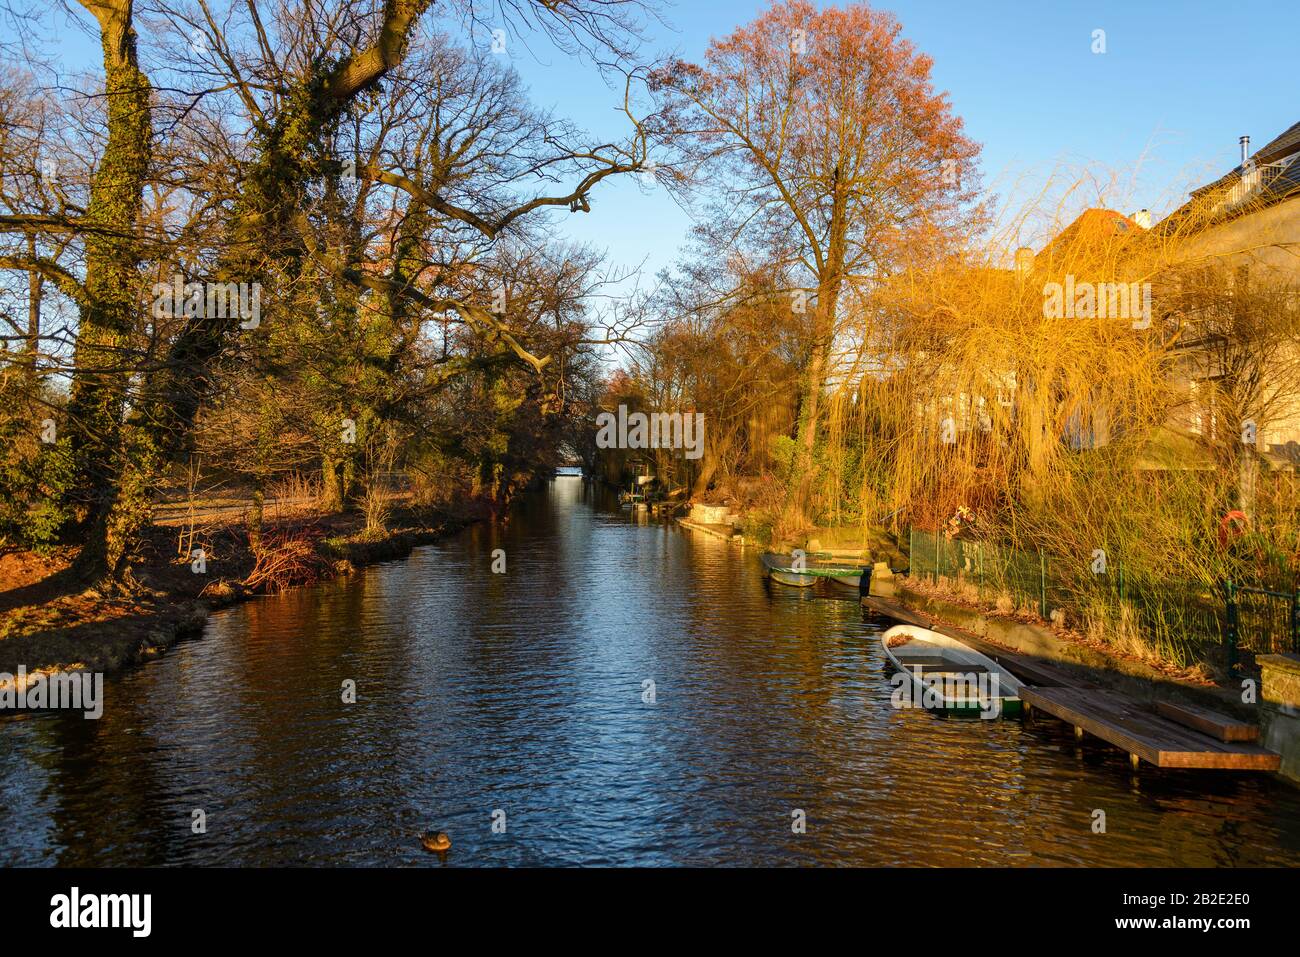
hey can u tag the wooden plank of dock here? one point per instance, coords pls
(896, 611)
(725, 532)
(1221, 726)
(1120, 720)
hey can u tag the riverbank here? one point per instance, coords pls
(49, 623)
(1116, 665)
(1056, 655)
(542, 669)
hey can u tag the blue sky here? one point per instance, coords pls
(1159, 112)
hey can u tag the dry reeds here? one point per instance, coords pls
(1087, 402)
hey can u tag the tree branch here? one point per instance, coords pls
(366, 67)
(68, 284)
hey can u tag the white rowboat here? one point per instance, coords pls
(949, 676)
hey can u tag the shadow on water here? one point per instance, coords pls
(525, 693)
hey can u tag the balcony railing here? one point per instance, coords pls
(1253, 181)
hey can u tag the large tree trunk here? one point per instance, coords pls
(705, 475)
(116, 525)
(806, 437)
(829, 280)
(809, 422)
(112, 477)
(331, 488)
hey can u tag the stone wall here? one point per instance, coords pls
(1279, 698)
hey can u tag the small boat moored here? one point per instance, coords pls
(804, 571)
(946, 675)
(850, 582)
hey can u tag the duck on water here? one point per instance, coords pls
(436, 841)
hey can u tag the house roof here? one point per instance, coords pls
(1279, 148)
(1278, 162)
(1094, 229)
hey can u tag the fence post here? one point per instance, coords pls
(1295, 622)
(1230, 596)
(1042, 585)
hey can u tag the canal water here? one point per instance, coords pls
(523, 699)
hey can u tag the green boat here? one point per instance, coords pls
(782, 568)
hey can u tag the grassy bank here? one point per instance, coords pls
(49, 621)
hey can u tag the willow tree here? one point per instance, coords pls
(821, 134)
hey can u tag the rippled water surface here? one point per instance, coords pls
(522, 692)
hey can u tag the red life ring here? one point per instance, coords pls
(1236, 523)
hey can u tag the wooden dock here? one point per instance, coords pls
(1123, 722)
(896, 611)
(725, 532)
(1168, 736)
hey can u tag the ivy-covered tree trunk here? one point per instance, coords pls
(804, 477)
(112, 476)
(264, 238)
(331, 489)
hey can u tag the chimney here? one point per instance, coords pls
(1245, 149)
(1143, 218)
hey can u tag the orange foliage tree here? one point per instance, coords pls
(820, 134)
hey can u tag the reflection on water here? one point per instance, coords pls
(522, 692)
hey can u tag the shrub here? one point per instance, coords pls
(34, 477)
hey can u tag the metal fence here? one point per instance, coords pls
(992, 569)
(1185, 622)
(1260, 621)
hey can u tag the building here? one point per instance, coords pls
(1244, 230)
